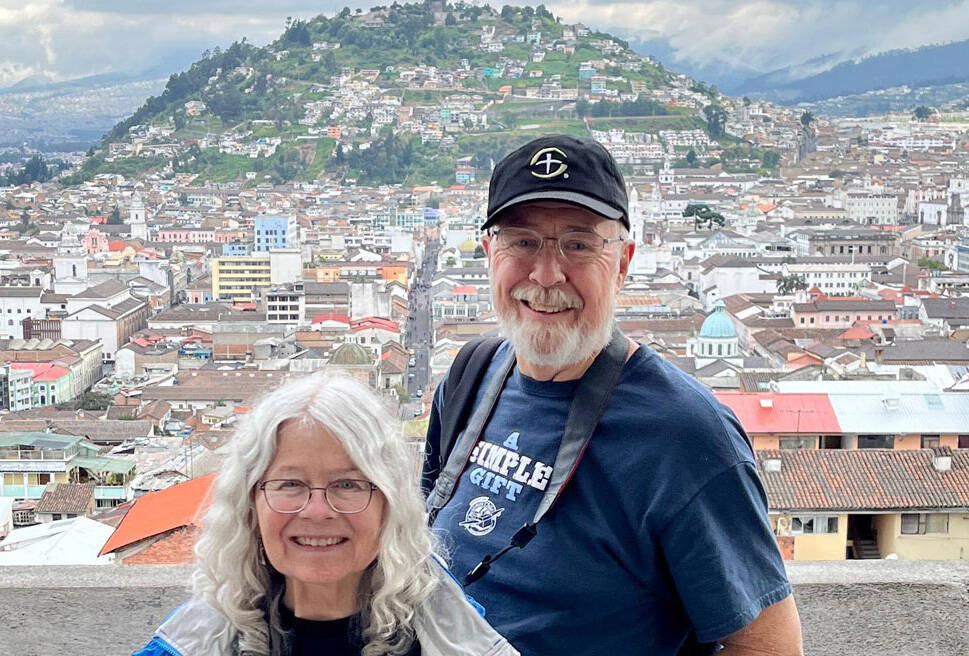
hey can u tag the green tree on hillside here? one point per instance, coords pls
(716, 117)
(922, 112)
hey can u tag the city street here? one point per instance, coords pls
(419, 332)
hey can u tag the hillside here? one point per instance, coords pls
(924, 67)
(401, 94)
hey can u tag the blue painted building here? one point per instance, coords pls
(275, 232)
(236, 248)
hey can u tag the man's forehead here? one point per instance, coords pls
(539, 212)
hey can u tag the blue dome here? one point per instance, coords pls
(718, 325)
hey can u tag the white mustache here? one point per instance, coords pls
(551, 296)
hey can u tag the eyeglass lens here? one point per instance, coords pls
(575, 246)
(344, 496)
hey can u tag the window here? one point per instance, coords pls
(876, 441)
(963, 442)
(814, 524)
(922, 523)
(797, 442)
(930, 441)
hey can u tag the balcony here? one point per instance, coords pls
(22, 491)
(110, 492)
(30, 454)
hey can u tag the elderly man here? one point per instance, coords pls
(595, 500)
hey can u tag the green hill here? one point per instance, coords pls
(399, 94)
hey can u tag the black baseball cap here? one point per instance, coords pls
(562, 168)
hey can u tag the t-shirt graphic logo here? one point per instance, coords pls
(542, 167)
(482, 516)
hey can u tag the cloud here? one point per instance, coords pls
(771, 34)
(63, 39)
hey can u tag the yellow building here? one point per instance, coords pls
(833, 504)
(235, 277)
(239, 277)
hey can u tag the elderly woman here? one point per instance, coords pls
(316, 542)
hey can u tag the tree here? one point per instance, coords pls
(115, 217)
(922, 112)
(450, 20)
(930, 264)
(702, 214)
(771, 159)
(691, 158)
(806, 119)
(716, 117)
(790, 284)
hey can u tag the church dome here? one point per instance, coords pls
(468, 246)
(718, 325)
(351, 354)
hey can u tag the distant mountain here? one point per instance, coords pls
(43, 82)
(922, 67)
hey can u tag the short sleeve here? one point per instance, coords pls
(723, 556)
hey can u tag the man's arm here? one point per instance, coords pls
(775, 632)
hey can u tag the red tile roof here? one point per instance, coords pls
(865, 479)
(43, 372)
(856, 332)
(162, 511)
(782, 413)
(331, 316)
(374, 322)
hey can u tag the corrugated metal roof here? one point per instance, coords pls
(892, 412)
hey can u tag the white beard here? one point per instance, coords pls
(555, 346)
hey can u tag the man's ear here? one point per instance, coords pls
(625, 256)
(486, 244)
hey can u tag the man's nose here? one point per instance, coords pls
(547, 267)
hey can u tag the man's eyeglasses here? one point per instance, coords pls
(576, 247)
(345, 496)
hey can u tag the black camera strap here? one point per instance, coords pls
(591, 399)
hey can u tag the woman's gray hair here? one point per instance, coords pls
(232, 573)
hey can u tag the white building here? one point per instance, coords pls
(872, 209)
(834, 279)
(17, 304)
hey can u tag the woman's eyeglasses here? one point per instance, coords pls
(345, 496)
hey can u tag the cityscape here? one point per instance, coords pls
(281, 210)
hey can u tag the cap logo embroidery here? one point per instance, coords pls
(547, 163)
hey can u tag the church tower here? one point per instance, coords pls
(70, 262)
(137, 218)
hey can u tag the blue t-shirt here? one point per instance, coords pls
(662, 529)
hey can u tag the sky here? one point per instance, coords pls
(66, 39)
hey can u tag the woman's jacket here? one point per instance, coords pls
(446, 624)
